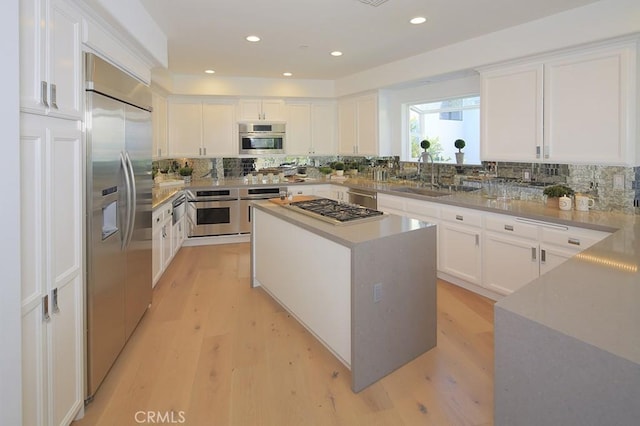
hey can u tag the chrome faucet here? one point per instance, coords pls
(424, 158)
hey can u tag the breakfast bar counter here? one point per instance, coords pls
(366, 290)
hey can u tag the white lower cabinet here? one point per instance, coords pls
(460, 248)
(51, 270)
(167, 238)
(500, 253)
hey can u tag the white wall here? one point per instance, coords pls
(10, 330)
(597, 21)
(243, 86)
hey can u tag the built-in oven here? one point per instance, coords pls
(251, 194)
(257, 139)
(213, 212)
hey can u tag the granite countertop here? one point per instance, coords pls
(348, 235)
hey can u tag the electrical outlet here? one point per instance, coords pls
(377, 292)
(618, 181)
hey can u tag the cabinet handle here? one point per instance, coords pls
(54, 96)
(44, 93)
(574, 241)
(459, 217)
(477, 240)
(45, 308)
(546, 151)
(54, 301)
(543, 256)
(159, 152)
(204, 150)
(534, 253)
(508, 227)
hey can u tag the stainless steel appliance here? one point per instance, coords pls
(250, 194)
(335, 212)
(178, 208)
(118, 177)
(213, 212)
(263, 138)
(363, 198)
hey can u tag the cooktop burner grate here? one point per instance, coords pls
(335, 211)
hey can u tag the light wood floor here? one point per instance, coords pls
(215, 352)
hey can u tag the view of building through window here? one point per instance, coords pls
(441, 123)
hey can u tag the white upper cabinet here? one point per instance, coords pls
(202, 128)
(576, 107)
(311, 128)
(586, 110)
(50, 58)
(511, 106)
(219, 129)
(358, 125)
(261, 109)
(185, 128)
(159, 118)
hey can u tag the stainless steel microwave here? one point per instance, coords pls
(261, 138)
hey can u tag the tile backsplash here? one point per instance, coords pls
(522, 180)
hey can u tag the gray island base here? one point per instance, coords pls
(367, 291)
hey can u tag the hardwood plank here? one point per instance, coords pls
(226, 354)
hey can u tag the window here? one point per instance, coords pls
(441, 123)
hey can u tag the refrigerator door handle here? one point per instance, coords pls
(127, 183)
(133, 199)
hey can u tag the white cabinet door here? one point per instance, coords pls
(219, 134)
(459, 251)
(159, 118)
(157, 241)
(50, 58)
(552, 256)
(512, 114)
(185, 129)
(587, 101)
(52, 294)
(509, 262)
(261, 109)
(323, 128)
(298, 129)
(367, 124)
(347, 126)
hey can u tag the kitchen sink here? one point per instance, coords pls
(422, 191)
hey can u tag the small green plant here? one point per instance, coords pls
(338, 165)
(459, 143)
(325, 170)
(425, 144)
(556, 191)
(186, 170)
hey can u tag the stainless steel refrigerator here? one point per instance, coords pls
(119, 183)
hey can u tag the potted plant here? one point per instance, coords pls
(459, 143)
(352, 168)
(554, 192)
(325, 171)
(186, 172)
(338, 166)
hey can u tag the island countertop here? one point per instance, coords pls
(348, 235)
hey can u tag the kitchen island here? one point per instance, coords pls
(366, 290)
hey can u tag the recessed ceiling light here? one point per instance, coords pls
(418, 20)
(336, 53)
(253, 38)
(209, 71)
(287, 74)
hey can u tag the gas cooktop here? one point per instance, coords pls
(335, 212)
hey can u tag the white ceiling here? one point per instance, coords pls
(298, 35)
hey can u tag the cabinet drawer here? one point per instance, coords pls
(508, 225)
(461, 215)
(422, 208)
(576, 238)
(158, 215)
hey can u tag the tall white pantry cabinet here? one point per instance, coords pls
(51, 208)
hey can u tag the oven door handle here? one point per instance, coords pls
(372, 196)
(213, 200)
